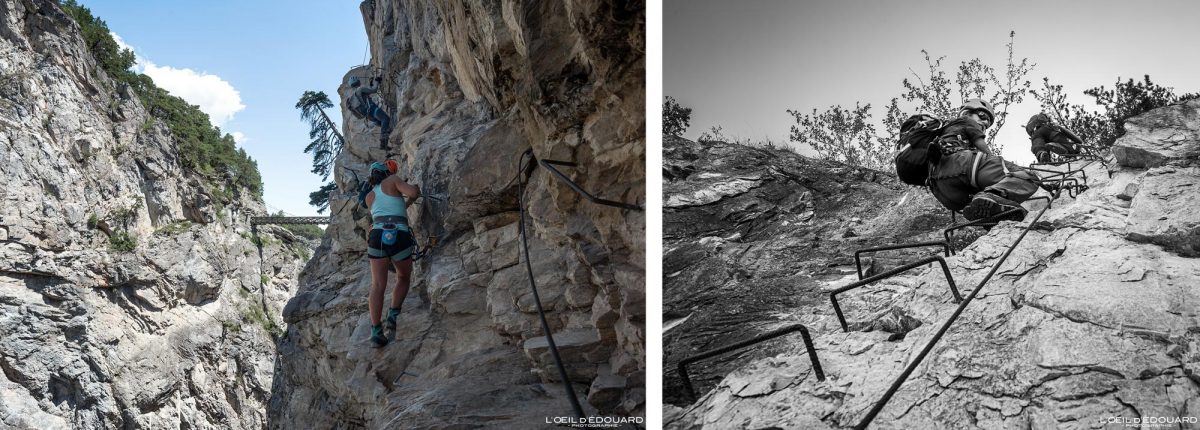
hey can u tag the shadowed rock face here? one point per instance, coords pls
(1093, 317)
(472, 85)
(170, 334)
(754, 239)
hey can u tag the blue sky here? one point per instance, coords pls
(741, 65)
(259, 55)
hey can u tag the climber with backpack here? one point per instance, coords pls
(363, 107)
(1046, 137)
(953, 160)
(389, 241)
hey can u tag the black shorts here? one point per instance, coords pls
(401, 250)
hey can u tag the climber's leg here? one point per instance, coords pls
(400, 254)
(379, 272)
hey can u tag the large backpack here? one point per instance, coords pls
(918, 148)
(357, 105)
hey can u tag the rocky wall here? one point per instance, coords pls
(1090, 323)
(128, 297)
(471, 86)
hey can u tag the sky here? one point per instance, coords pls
(741, 65)
(246, 63)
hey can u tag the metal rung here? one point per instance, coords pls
(548, 164)
(812, 353)
(857, 254)
(931, 259)
(887, 396)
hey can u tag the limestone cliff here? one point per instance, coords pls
(131, 293)
(471, 86)
(1091, 322)
(751, 234)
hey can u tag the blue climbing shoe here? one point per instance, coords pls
(377, 337)
(393, 314)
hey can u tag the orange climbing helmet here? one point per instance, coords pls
(390, 166)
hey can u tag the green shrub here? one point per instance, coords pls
(307, 231)
(265, 241)
(849, 134)
(256, 314)
(1126, 100)
(122, 241)
(265, 279)
(124, 216)
(174, 228)
(675, 117)
(93, 221)
(202, 147)
(112, 58)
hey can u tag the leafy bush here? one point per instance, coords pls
(174, 228)
(122, 241)
(202, 147)
(124, 216)
(109, 55)
(845, 134)
(675, 117)
(307, 231)
(849, 135)
(256, 314)
(1126, 100)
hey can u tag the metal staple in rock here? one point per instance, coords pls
(953, 317)
(892, 273)
(812, 352)
(521, 168)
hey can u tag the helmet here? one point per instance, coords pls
(392, 166)
(978, 104)
(1036, 122)
(354, 81)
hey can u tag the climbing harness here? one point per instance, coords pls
(523, 170)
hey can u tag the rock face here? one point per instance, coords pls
(751, 235)
(128, 299)
(471, 86)
(1092, 321)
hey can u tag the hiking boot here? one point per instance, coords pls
(987, 205)
(377, 337)
(390, 322)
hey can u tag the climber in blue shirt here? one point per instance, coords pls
(390, 240)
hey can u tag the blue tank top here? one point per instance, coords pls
(385, 205)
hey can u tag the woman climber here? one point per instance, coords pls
(390, 240)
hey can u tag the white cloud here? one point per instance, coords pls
(120, 42)
(215, 96)
(239, 137)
